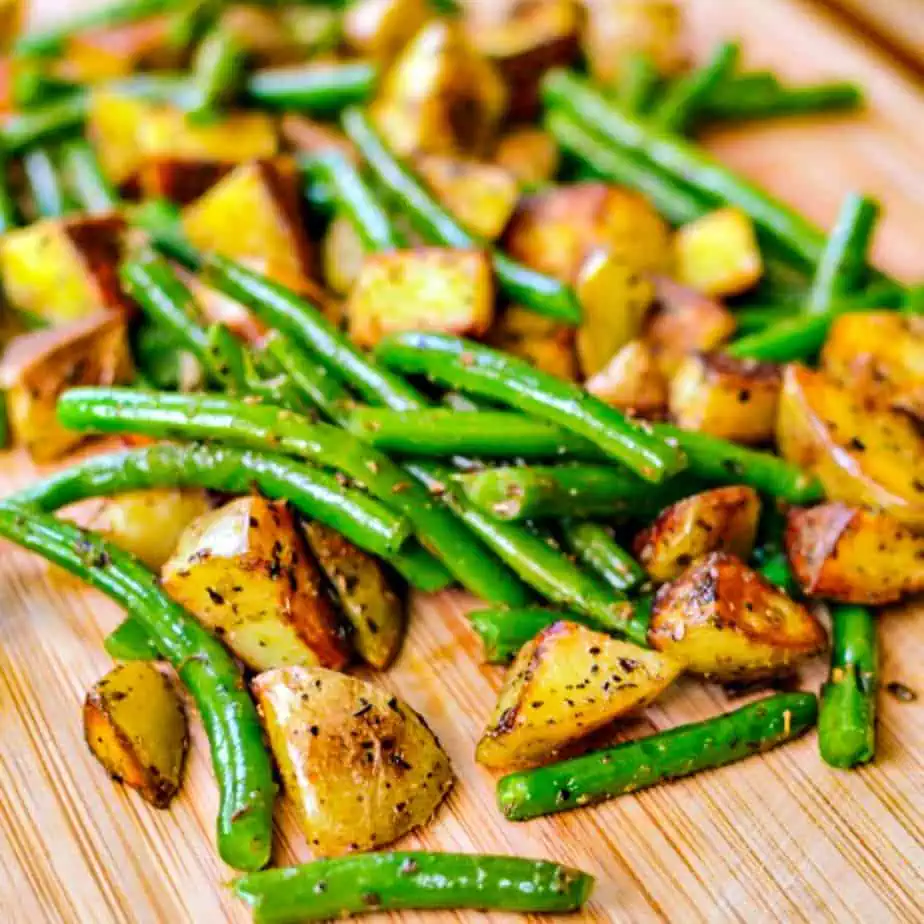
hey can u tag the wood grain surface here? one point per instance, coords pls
(777, 838)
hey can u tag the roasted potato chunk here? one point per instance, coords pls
(617, 28)
(718, 254)
(342, 255)
(567, 682)
(719, 520)
(367, 599)
(180, 181)
(311, 137)
(135, 725)
(632, 382)
(38, 367)
(284, 35)
(865, 456)
(361, 767)
(530, 154)
(244, 572)
(114, 125)
(61, 270)
(557, 229)
(379, 29)
(725, 622)
(614, 301)
(736, 399)
(481, 196)
(685, 322)
(546, 344)
(854, 556)
(428, 288)
(440, 95)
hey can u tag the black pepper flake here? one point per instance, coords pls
(215, 596)
(902, 693)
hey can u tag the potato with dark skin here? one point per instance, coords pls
(632, 381)
(853, 555)
(567, 682)
(545, 343)
(361, 767)
(723, 621)
(135, 725)
(180, 181)
(244, 572)
(379, 29)
(723, 519)
(530, 154)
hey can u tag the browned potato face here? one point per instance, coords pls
(632, 382)
(440, 95)
(723, 621)
(530, 154)
(566, 683)
(557, 229)
(736, 399)
(244, 572)
(546, 344)
(180, 181)
(381, 28)
(685, 322)
(306, 135)
(723, 519)
(135, 725)
(855, 556)
(864, 456)
(38, 367)
(367, 600)
(342, 255)
(361, 767)
(428, 288)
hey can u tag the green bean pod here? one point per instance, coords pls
(636, 765)
(913, 302)
(46, 123)
(239, 757)
(9, 212)
(594, 546)
(638, 82)
(81, 165)
(320, 89)
(218, 69)
(740, 102)
(503, 631)
(46, 187)
(130, 641)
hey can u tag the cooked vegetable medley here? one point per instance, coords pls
(396, 295)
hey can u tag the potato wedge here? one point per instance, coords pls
(736, 399)
(481, 196)
(311, 137)
(718, 254)
(366, 596)
(723, 621)
(440, 95)
(852, 555)
(685, 322)
(38, 367)
(530, 154)
(428, 288)
(342, 255)
(180, 181)
(546, 344)
(244, 572)
(614, 300)
(135, 725)
(379, 29)
(864, 456)
(361, 767)
(556, 230)
(719, 520)
(567, 682)
(62, 270)
(632, 381)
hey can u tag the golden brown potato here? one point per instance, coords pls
(311, 137)
(440, 95)
(367, 599)
(135, 725)
(379, 29)
(428, 288)
(718, 254)
(114, 126)
(865, 456)
(481, 196)
(361, 766)
(545, 343)
(852, 555)
(567, 682)
(38, 367)
(180, 181)
(736, 399)
(614, 301)
(556, 230)
(342, 255)
(617, 28)
(244, 572)
(685, 322)
(719, 520)
(64, 269)
(285, 35)
(725, 622)
(632, 382)
(530, 154)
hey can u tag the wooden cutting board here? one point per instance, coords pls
(777, 838)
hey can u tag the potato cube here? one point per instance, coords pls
(180, 181)
(342, 255)
(546, 344)
(288, 34)
(380, 29)
(114, 126)
(530, 154)
(632, 382)
(311, 137)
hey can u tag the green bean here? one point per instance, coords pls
(636, 765)
(240, 760)
(47, 191)
(913, 303)
(777, 571)
(520, 284)
(638, 82)
(337, 888)
(218, 69)
(321, 89)
(847, 717)
(497, 376)
(9, 213)
(739, 102)
(125, 410)
(46, 123)
(843, 262)
(94, 192)
(503, 631)
(594, 546)
(130, 641)
(34, 86)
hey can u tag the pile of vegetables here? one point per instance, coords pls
(409, 296)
